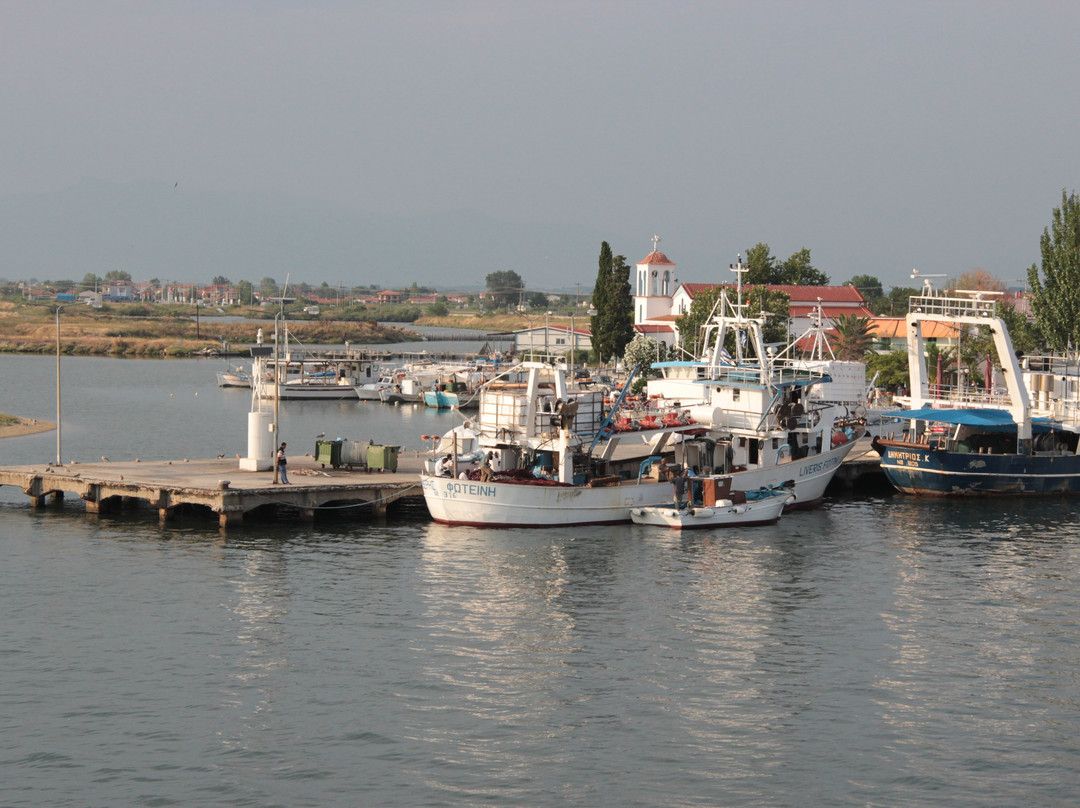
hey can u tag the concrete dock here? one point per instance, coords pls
(221, 488)
(216, 485)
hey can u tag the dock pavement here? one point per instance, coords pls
(218, 484)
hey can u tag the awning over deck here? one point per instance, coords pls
(990, 420)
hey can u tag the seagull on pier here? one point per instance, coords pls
(104, 459)
(321, 435)
(221, 456)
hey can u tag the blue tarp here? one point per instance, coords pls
(987, 419)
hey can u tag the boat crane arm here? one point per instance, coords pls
(609, 419)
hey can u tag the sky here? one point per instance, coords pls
(391, 143)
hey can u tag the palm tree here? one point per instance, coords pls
(853, 337)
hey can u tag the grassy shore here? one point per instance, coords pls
(137, 330)
(12, 425)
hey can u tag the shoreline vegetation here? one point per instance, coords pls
(135, 330)
(12, 425)
(172, 331)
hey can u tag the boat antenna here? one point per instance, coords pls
(738, 269)
(927, 280)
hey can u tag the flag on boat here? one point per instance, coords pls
(725, 357)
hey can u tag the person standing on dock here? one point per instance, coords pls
(282, 465)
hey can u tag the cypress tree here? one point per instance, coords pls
(599, 323)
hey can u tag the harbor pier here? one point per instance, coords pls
(216, 485)
(221, 488)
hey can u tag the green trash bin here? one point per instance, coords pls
(382, 458)
(328, 452)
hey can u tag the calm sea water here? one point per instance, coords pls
(880, 651)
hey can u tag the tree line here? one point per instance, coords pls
(1054, 285)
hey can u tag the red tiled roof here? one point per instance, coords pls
(805, 310)
(827, 294)
(650, 328)
(656, 258)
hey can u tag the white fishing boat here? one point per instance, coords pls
(234, 377)
(310, 378)
(765, 426)
(372, 390)
(541, 440)
(717, 507)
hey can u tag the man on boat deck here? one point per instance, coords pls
(444, 467)
(485, 468)
(680, 481)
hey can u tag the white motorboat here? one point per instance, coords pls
(309, 378)
(718, 509)
(234, 377)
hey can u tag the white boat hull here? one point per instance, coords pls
(229, 379)
(310, 392)
(512, 504)
(810, 476)
(371, 392)
(723, 514)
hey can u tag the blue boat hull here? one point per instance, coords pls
(928, 471)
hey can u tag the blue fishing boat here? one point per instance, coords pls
(1017, 433)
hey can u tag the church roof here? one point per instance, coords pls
(656, 257)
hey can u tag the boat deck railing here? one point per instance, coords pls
(954, 307)
(950, 396)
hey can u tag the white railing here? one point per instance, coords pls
(952, 306)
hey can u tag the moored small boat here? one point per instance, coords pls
(735, 509)
(234, 377)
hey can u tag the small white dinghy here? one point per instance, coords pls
(722, 508)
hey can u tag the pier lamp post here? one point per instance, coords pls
(277, 390)
(59, 462)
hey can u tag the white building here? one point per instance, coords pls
(553, 339)
(660, 299)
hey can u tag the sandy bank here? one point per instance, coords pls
(26, 426)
